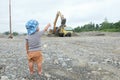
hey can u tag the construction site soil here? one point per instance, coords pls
(84, 56)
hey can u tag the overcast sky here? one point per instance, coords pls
(77, 12)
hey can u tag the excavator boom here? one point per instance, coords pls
(63, 20)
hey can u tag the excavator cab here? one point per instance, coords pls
(63, 21)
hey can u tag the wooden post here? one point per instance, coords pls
(11, 36)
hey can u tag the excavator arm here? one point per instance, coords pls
(63, 20)
(62, 30)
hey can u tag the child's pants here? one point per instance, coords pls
(35, 56)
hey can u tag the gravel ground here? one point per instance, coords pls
(65, 58)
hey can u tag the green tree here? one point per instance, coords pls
(88, 27)
(117, 25)
(77, 29)
(106, 26)
(24, 34)
(15, 33)
(97, 27)
(6, 33)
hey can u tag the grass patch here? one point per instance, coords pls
(110, 30)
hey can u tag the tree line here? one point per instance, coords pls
(14, 33)
(104, 26)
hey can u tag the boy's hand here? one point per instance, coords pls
(49, 25)
(46, 28)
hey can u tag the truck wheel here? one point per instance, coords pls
(61, 34)
(69, 34)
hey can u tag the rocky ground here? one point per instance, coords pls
(83, 57)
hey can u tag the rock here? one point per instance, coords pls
(13, 76)
(108, 60)
(2, 67)
(4, 78)
(69, 69)
(88, 73)
(95, 72)
(99, 69)
(68, 59)
(116, 63)
(91, 53)
(64, 64)
(23, 79)
(61, 59)
(93, 64)
(44, 45)
(119, 63)
(47, 75)
(82, 63)
(56, 61)
(106, 73)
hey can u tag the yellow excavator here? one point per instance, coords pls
(62, 30)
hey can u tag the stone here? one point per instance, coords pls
(95, 72)
(44, 45)
(119, 63)
(56, 61)
(69, 69)
(64, 64)
(91, 53)
(47, 75)
(99, 69)
(82, 63)
(4, 78)
(108, 60)
(23, 79)
(93, 65)
(2, 67)
(13, 76)
(106, 73)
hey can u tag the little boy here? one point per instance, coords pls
(33, 44)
